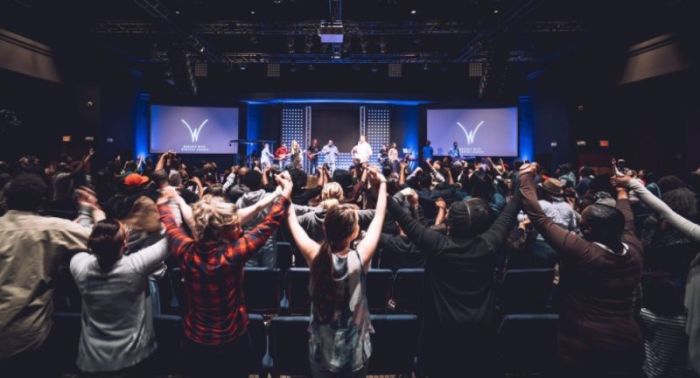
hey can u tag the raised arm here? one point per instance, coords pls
(563, 241)
(307, 246)
(146, 260)
(688, 228)
(623, 204)
(497, 234)
(402, 172)
(246, 214)
(442, 211)
(178, 241)
(243, 248)
(368, 245)
(426, 239)
(161, 161)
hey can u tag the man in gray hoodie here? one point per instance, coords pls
(265, 257)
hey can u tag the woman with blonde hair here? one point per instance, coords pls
(216, 318)
(332, 190)
(339, 309)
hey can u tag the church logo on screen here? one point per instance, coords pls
(194, 134)
(470, 135)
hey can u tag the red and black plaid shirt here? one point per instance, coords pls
(213, 273)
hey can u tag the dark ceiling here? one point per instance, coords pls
(490, 45)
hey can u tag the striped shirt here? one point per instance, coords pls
(665, 345)
(213, 273)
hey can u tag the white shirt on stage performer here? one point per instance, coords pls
(266, 157)
(362, 151)
(330, 153)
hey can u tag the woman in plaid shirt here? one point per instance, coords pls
(212, 261)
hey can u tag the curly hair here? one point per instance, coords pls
(212, 217)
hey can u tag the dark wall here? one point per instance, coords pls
(47, 111)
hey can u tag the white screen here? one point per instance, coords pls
(193, 129)
(478, 132)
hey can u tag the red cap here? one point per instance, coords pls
(135, 179)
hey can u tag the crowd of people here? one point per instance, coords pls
(622, 243)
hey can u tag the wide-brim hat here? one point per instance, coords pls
(553, 186)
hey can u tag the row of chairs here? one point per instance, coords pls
(280, 345)
(275, 291)
(287, 292)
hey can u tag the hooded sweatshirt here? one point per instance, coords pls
(248, 199)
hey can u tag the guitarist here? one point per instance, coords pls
(281, 155)
(312, 156)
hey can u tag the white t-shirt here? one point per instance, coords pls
(363, 151)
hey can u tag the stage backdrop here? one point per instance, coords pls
(193, 129)
(340, 123)
(478, 132)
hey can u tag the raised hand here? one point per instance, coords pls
(440, 203)
(620, 181)
(285, 182)
(528, 168)
(376, 177)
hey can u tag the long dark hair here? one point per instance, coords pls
(106, 242)
(339, 224)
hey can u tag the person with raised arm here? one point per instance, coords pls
(457, 316)
(216, 318)
(117, 335)
(685, 226)
(340, 328)
(600, 270)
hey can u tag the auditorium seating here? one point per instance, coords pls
(297, 290)
(289, 342)
(263, 284)
(526, 290)
(394, 344)
(408, 286)
(279, 305)
(169, 334)
(63, 342)
(527, 343)
(381, 281)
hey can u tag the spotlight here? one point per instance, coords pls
(252, 12)
(177, 12)
(202, 49)
(413, 11)
(242, 67)
(495, 11)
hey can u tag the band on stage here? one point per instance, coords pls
(315, 155)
